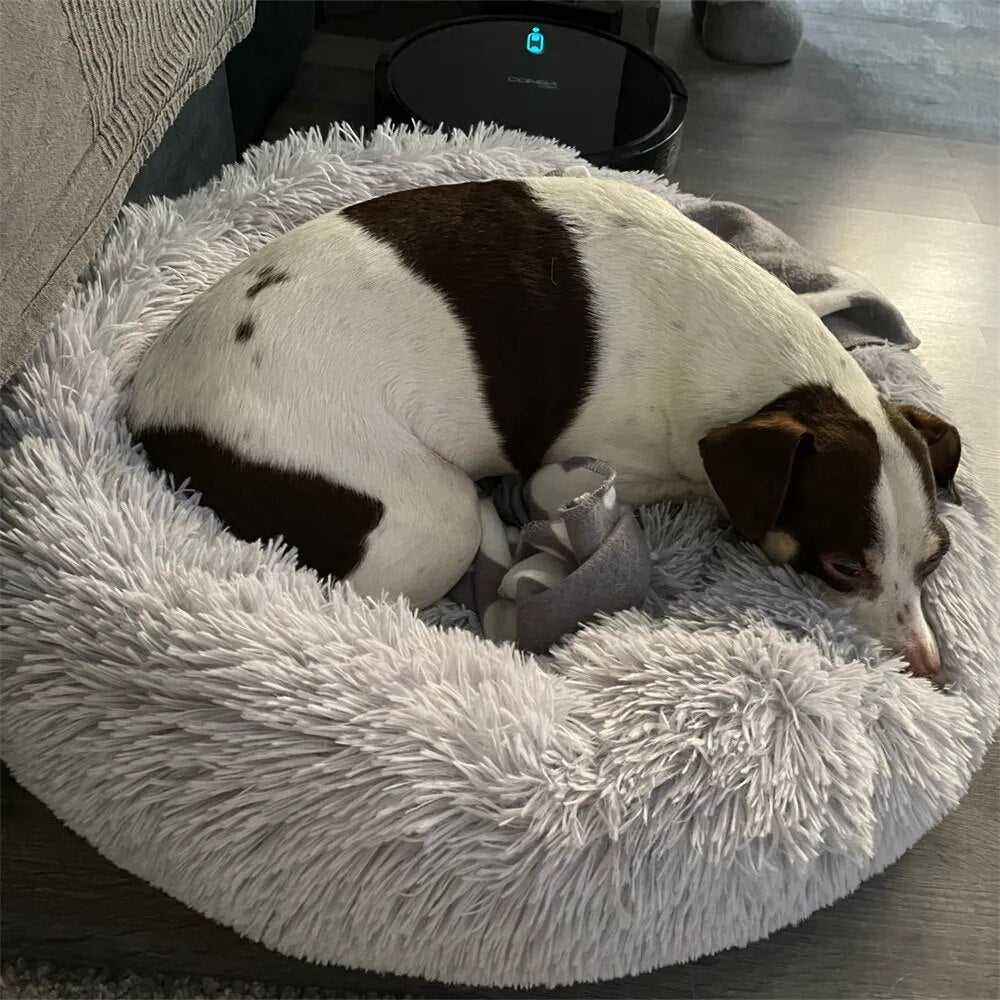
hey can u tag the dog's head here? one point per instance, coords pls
(848, 499)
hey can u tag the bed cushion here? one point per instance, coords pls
(347, 782)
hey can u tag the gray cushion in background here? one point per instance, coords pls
(749, 32)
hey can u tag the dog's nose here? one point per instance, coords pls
(923, 658)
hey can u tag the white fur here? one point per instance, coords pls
(906, 538)
(360, 371)
(363, 376)
(693, 335)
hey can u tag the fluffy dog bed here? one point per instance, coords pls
(346, 782)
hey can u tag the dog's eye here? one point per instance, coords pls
(928, 566)
(846, 572)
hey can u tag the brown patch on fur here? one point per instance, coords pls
(266, 276)
(245, 330)
(327, 523)
(510, 271)
(749, 465)
(935, 444)
(806, 465)
(936, 448)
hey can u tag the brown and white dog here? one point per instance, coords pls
(346, 385)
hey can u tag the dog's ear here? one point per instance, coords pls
(749, 465)
(943, 442)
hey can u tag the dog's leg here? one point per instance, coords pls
(394, 519)
(428, 535)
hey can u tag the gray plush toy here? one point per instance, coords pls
(753, 32)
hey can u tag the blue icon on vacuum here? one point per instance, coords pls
(536, 41)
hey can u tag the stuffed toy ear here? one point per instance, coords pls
(749, 465)
(943, 442)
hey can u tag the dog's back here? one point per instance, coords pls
(496, 324)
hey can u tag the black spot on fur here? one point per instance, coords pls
(327, 523)
(244, 331)
(511, 272)
(266, 276)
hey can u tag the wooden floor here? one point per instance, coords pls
(878, 147)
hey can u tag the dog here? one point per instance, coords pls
(346, 385)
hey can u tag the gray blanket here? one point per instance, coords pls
(558, 548)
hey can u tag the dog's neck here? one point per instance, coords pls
(729, 372)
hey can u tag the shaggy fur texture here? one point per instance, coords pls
(346, 782)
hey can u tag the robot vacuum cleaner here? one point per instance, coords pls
(617, 105)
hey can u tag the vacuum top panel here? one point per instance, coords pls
(583, 87)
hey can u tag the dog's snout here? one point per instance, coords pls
(916, 641)
(923, 657)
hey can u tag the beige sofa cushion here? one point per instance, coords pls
(88, 89)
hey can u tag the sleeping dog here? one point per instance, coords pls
(346, 385)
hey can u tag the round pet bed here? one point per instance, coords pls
(347, 782)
